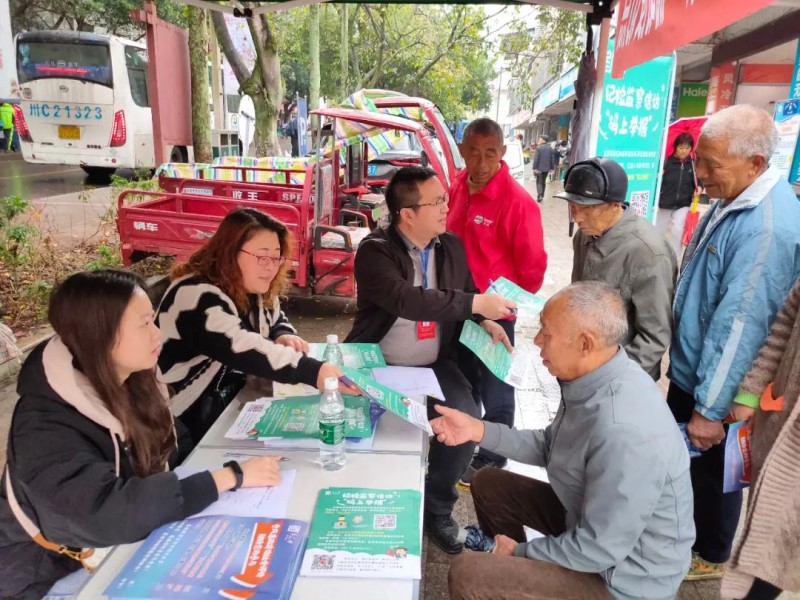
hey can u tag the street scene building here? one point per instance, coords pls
(401, 301)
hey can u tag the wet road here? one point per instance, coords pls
(34, 182)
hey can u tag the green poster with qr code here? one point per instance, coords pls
(360, 532)
(633, 123)
(515, 368)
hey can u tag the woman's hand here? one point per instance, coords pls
(292, 341)
(260, 471)
(329, 370)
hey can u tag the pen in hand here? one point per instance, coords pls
(496, 291)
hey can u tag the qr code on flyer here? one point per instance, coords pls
(290, 427)
(639, 202)
(384, 522)
(322, 562)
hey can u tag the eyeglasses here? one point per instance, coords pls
(267, 261)
(437, 203)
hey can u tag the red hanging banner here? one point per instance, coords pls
(650, 28)
(721, 88)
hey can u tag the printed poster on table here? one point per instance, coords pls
(215, 557)
(356, 356)
(296, 418)
(358, 532)
(516, 369)
(633, 125)
(392, 400)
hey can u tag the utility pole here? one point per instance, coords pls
(499, 89)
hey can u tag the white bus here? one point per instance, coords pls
(84, 102)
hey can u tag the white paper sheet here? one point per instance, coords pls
(247, 419)
(411, 381)
(286, 390)
(248, 502)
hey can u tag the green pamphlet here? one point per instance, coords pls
(359, 532)
(392, 400)
(526, 302)
(515, 368)
(357, 356)
(296, 418)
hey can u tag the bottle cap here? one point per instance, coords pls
(331, 384)
(332, 338)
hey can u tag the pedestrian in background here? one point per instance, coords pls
(545, 160)
(7, 121)
(678, 186)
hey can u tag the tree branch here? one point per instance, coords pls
(236, 62)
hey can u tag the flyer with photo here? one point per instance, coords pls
(359, 532)
(526, 302)
(296, 418)
(516, 369)
(392, 400)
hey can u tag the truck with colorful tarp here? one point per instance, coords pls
(321, 199)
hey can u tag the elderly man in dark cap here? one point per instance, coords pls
(617, 246)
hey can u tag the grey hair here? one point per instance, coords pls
(484, 126)
(597, 307)
(749, 130)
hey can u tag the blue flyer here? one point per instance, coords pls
(215, 557)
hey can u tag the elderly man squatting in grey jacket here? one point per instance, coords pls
(617, 513)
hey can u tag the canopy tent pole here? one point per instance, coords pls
(597, 100)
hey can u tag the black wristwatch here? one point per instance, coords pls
(237, 470)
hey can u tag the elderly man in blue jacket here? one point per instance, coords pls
(738, 269)
(617, 512)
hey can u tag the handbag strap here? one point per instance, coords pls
(36, 535)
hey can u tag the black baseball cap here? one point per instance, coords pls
(595, 181)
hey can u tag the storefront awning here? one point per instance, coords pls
(646, 30)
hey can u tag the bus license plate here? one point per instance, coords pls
(69, 132)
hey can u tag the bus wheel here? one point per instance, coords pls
(98, 173)
(179, 154)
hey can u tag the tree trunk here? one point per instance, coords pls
(313, 51)
(198, 65)
(270, 93)
(344, 51)
(263, 84)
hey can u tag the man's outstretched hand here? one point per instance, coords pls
(455, 427)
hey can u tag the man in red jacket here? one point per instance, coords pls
(501, 227)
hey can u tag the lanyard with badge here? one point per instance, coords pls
(426, 330)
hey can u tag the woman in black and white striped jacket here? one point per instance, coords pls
(221, 320)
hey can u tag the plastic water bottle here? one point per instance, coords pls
(333, 354)
(331, 426)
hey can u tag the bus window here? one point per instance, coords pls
(136, 62)
(83, 61)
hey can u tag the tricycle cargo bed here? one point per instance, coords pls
(178, 224)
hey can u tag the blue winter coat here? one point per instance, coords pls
(735, 276)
